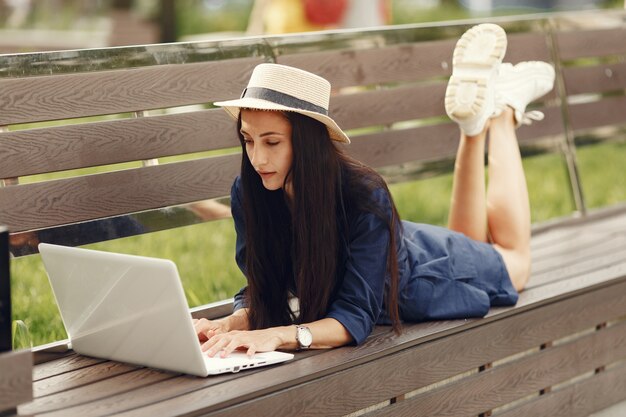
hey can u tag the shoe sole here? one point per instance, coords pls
(475, 62)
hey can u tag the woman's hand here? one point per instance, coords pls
(206, 329)
(253, 341)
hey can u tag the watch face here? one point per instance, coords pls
(304, 336)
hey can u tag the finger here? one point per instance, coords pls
(208, 344)
(209, 333)
(251, 350)
(219, 345)
(194, 321)
(199, 326)
(234, 344)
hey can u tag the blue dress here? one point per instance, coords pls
(442, 274)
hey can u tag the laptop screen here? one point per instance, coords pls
(5, 292)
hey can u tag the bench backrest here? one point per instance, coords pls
(389, 88)
(388, 93)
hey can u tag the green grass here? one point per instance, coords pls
(205, 253)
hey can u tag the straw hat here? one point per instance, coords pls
(283, 88)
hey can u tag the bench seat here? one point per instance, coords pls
(570, 323)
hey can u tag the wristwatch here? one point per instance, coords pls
(304, 337)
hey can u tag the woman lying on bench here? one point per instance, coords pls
(319, 227)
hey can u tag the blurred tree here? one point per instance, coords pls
(168, 21)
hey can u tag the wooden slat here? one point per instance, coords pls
(595, 247)
(38, 205)
(331, 372)
(527, 47)
(406, 145)
(577, 400)
(87, 94)
(504, 384)
(387, 106)
(152, 387)
(51, 149)
(595, 79)
(541, 256)
(60, 366)
(570, 318)
(79, 377)
(571, 266)
(435, 142)
(15, 378)
(94, 390)
(591, 43)
(142, 385)
(605, 112)
(404, 62)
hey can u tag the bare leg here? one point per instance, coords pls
(508, 207)
(468, 211)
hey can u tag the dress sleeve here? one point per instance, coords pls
(359, 300)
(240, 245)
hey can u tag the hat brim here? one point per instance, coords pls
(233, 108)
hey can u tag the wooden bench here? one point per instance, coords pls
(559, 351)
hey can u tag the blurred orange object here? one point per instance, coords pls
(325, 12)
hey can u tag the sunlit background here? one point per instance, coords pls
(28, 25)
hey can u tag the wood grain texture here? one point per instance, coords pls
(94, 390)
(606, 112)
(80, 377)
(380, 107)
(16, 378)
(608, 218)
(568, 316)
(504, 384)
(61, 148)
(518, 332)
(572, 266)
(45, 204)
(60, 366)
(527, 47)
(398, 63)
(434, 142)
(142, 387)
(541, 256)
(339, 381)
(563, 254)
(594, 79)
(577, 400)
(591, 43)
(404, 62)
(64, 96)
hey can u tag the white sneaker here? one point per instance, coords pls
(470, 97)
(518, 85)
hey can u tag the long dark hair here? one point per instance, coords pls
(293, 245)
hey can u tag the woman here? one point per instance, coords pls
(316, 226)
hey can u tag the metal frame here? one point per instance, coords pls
(5, 292)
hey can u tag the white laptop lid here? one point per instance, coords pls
(132, 309)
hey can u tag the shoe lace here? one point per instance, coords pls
(530, 116)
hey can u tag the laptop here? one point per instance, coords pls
(133, 309)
